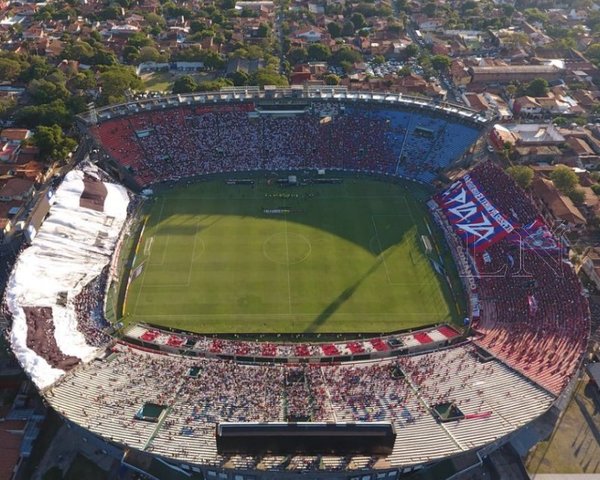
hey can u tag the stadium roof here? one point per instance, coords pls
(516, 69)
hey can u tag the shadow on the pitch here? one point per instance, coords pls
(309, 206)
(186, 226)
(342, 297)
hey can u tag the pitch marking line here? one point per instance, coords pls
(268, 256)
(287, 255)
(157, 229)
(275, 315)
(383, 255)
(381, 252)
(320, 197)
(148, 247)
(199, 254)
(190, 263)
(409, 210)
(141, 289)
(193, 253)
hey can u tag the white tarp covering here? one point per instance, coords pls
(71, 248)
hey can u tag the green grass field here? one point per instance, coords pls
(347, 258)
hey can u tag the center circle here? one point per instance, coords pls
(287, 248)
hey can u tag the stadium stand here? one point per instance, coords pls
(530, 323)
(104, 396)
(186, 141)
(533, 313)
(174, 342)
(47, 291)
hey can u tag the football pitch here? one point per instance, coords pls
(334, 258)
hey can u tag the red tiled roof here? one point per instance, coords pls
(9, 453)
(15, 186)
(14, 133)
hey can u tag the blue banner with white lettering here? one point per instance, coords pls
(535, 236)
(473, 217)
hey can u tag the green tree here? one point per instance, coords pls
(593, 52)
(378, 59)
(184, 84)
(45, 91)
(139, 40)
(319, 52)
(521, 174)
(334, 29)
(80, 51)
(508, 10)
(577, 195)
(331, 79)
(130, 54)
(511, 90)
(110, 13)
(77, 104)
(104, 57)
(404, 71)
(537, 88)
(395, 28)
(564, 178)
(149, 54)
(297, 55)
(36, 67)
(535, 15)
(348, 29)
(156, 21)
(6, 106)
(264, 77)
(197, 26)
(47, 114)
(9, 69)
(116, 81)
(53, 144)
(347, 54)
(262, 31)
(214, 85)
(347, 67)
(440, 62)
(560, 121)
(358, 19)
(239, 78)
(411, 50)
(430, 9)
(212, 60)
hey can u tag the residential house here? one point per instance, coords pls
(312, 34)
(559, 206)
(15, 188)
(510, 73)
(525, 134)
(459, 73)
(591, 265)
(526, 106)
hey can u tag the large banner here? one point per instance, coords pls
(535, 236)
(474, 219)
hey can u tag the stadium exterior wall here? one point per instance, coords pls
(282, 96)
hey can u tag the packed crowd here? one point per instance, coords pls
(197, 393)
(533, 312)
(89, 309)
(188, 141)
(202, 345)
(504, 193)
(298, 398)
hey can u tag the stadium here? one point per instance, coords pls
(267, 284)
